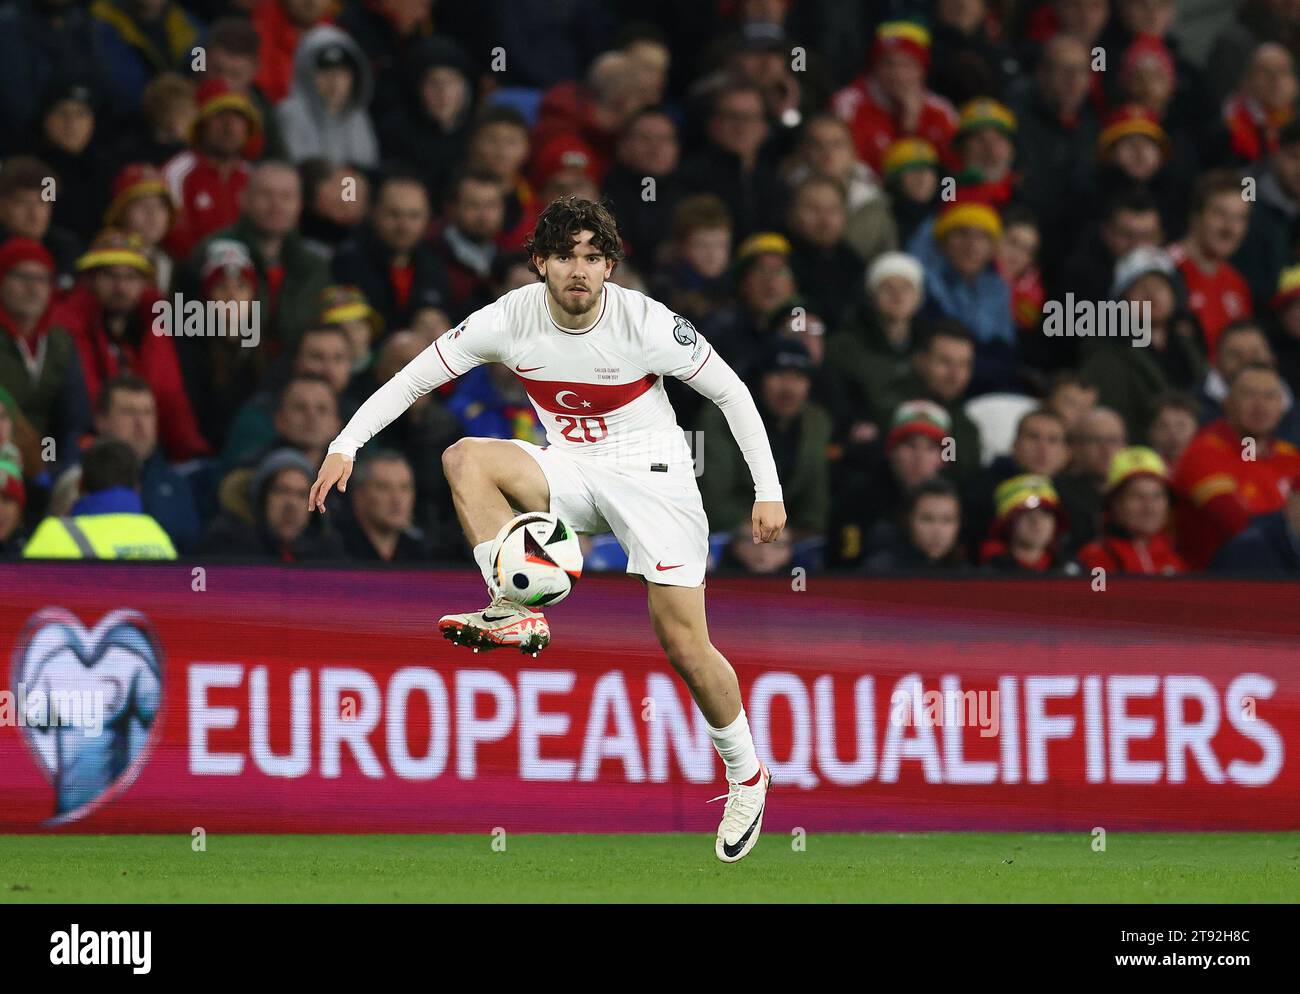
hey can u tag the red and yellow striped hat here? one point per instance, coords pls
(115, 247)
(340, 304)
(909, 37)
(215, 95)
(1288, 287)
(971, 214)
(1131, 119)
(909, 153)
(135, 181)
(986, 112)
(1134, 461)
(1024, 493)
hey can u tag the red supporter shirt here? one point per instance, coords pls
(207, 199)
(1155, 556)
(995, 548)
(1217, 298)
(1219, 491)
(863, 108)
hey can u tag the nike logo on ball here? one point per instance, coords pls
(527, 369)
(661, 567)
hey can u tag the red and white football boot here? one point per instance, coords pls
(501, 623)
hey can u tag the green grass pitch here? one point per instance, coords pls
(927, 867)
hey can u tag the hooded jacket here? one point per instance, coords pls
(309, 130)
(280, 38)
(231, 537)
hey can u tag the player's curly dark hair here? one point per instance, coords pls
(560, 224)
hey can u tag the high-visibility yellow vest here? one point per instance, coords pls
(100, 536)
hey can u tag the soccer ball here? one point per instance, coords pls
(536, 559)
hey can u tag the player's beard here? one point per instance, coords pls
(574, 307)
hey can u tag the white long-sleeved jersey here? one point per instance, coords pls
(598, 392)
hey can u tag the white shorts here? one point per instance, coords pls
(657, 517)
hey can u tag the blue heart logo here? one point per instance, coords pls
(88, 702)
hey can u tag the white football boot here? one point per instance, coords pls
(742, 817)
(501, 623)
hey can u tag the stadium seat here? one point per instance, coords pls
(604, 555)
(525, 99)
(717, 545)
(996, 415)
(810, 553)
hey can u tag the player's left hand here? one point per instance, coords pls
(769, 520)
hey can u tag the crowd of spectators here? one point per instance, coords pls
(882, 215)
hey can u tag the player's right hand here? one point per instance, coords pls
(335, 469)
(768, 520)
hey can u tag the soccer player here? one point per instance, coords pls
(592, 356)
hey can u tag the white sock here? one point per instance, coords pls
(483, 556)
(736, 747)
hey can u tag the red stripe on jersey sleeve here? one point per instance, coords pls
(444, 361)
(700, 366)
